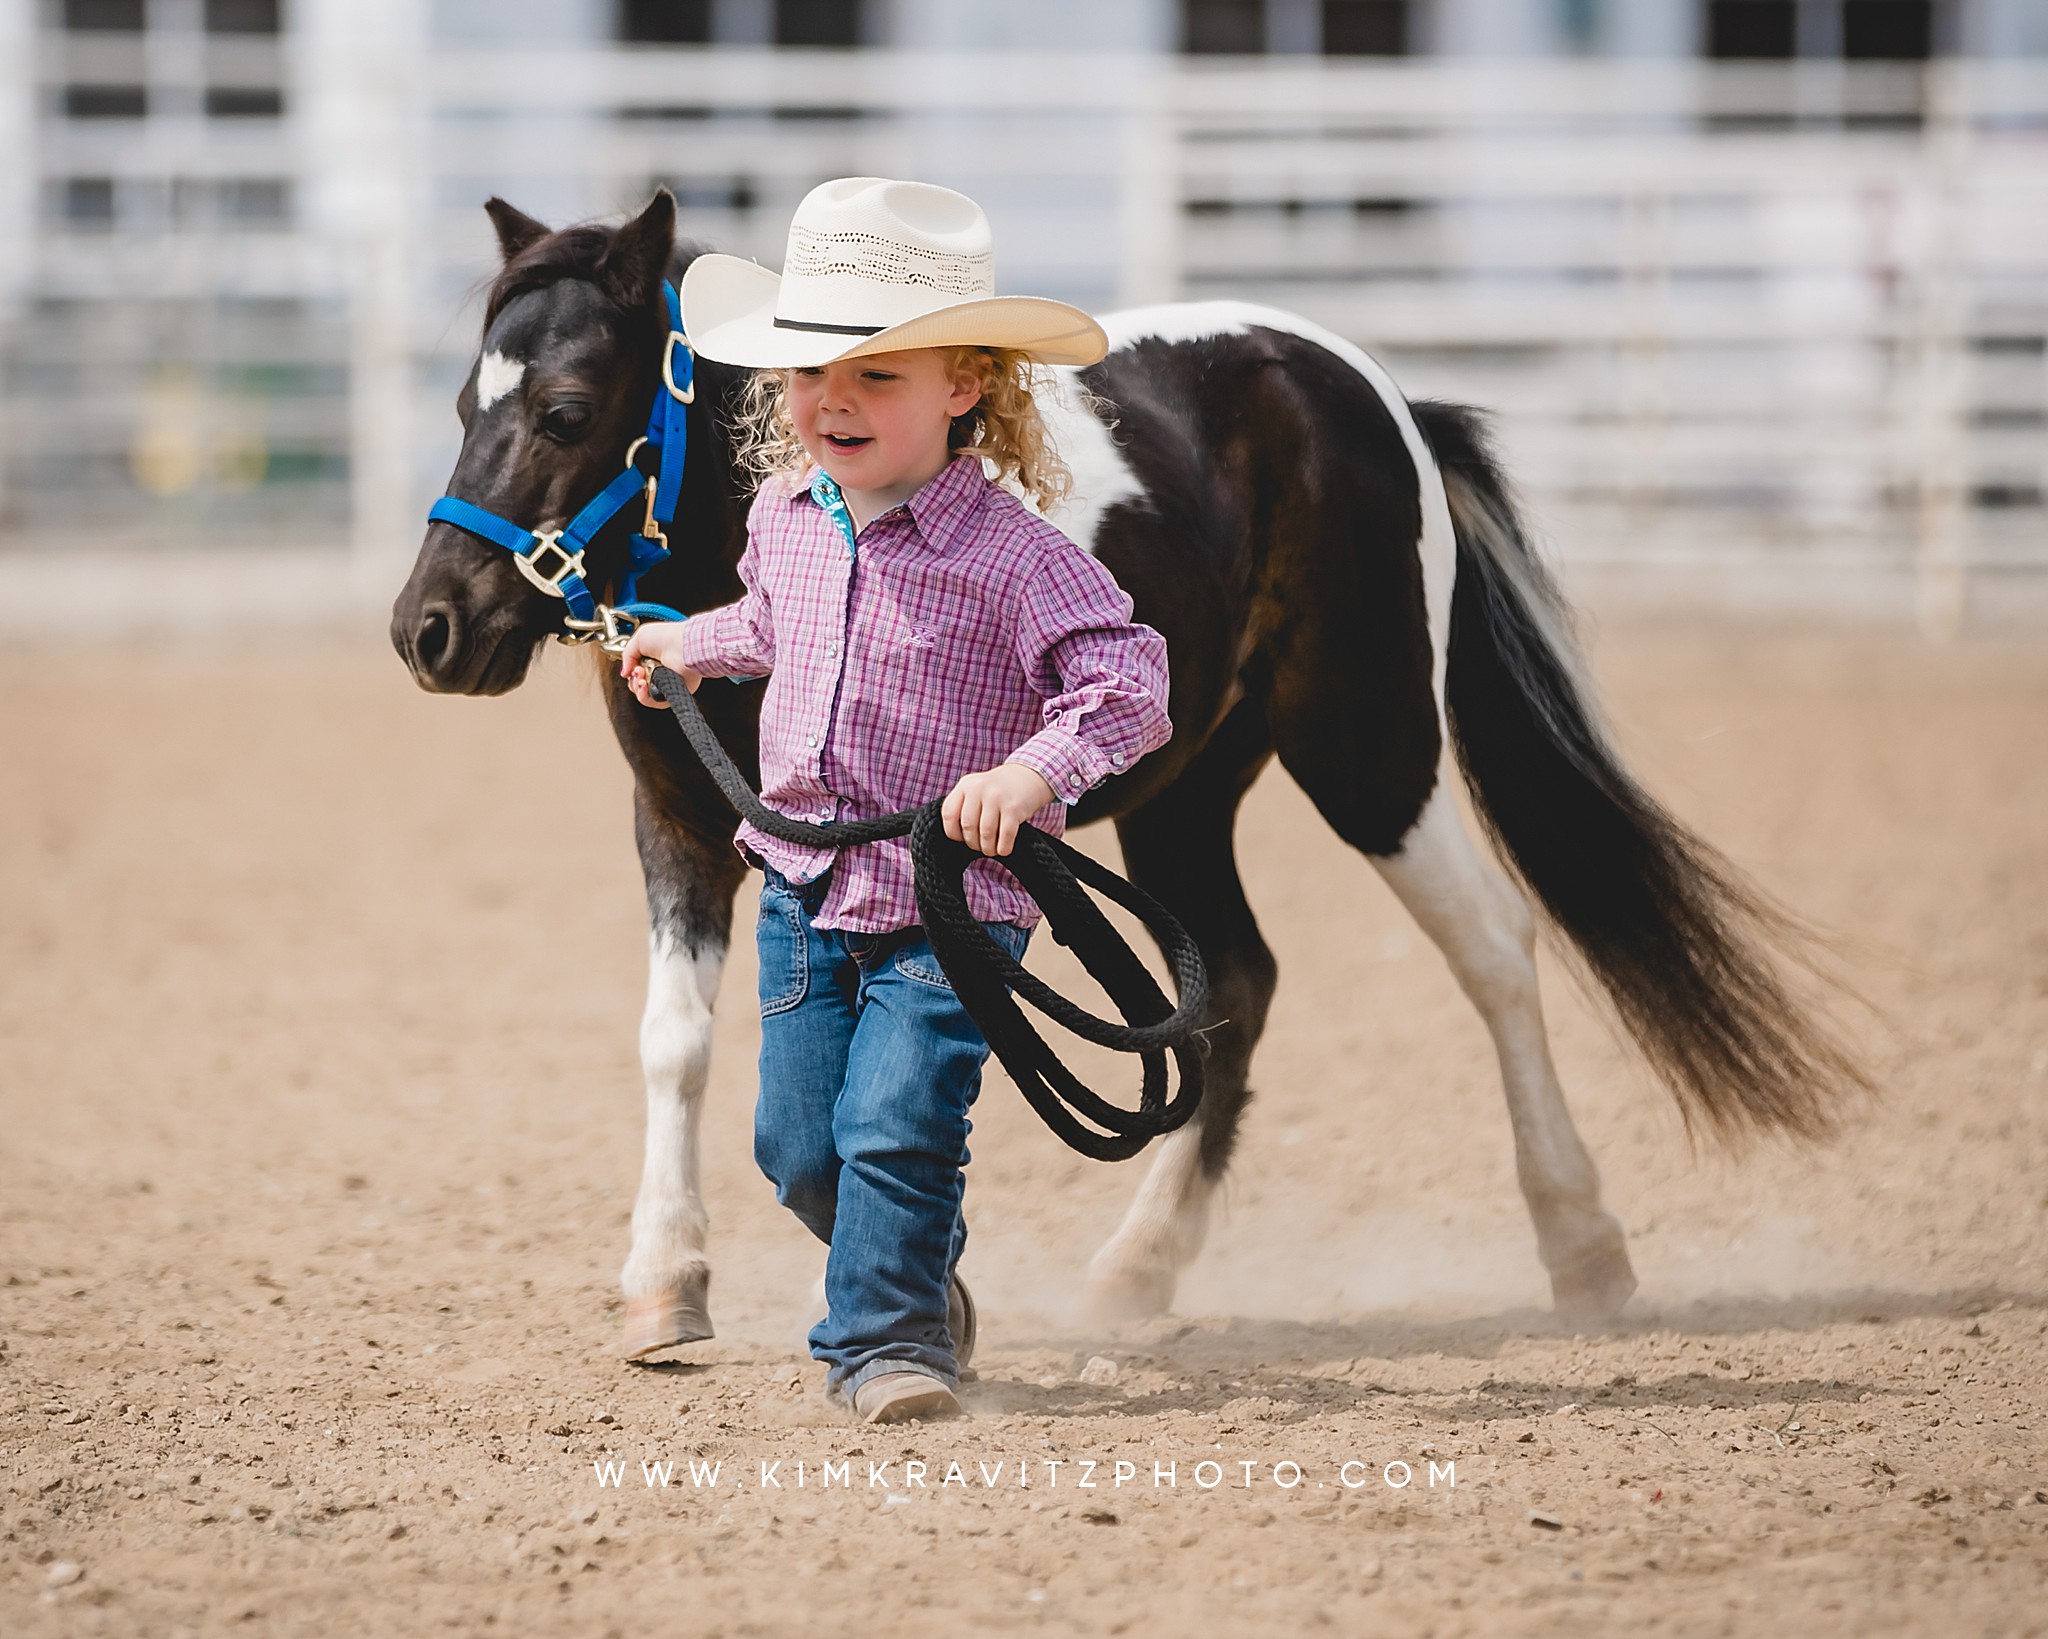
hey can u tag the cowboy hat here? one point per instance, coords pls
(875, 266)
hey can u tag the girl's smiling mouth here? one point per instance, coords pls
(846, 441)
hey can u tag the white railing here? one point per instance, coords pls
(1737, 319)
(1734, 317)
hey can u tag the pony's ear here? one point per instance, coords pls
(638, 259)
(516, 230)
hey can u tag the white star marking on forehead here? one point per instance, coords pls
(496, 375)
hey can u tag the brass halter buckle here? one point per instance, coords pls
(549, 540)
(649, 529)
(618, 626)
(611, 631)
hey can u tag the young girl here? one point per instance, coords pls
(926, 635)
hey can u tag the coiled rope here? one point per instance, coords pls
(984, 975)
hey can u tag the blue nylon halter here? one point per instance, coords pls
(668, 435)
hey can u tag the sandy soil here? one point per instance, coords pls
(321, 1121)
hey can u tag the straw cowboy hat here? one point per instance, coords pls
(874, 266)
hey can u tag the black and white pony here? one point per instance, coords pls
(1342, 582)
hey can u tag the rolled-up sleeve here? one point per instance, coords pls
(1103, 676)
(736, 639)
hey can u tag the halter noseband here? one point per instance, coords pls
(552, 559)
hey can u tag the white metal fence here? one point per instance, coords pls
(1748, 319)
(1738, 318)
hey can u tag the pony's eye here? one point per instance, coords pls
(566, 422)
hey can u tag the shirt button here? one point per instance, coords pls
(812, 742)
(1117, 758)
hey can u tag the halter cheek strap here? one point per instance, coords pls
(552, 559)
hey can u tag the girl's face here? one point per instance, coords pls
(880, 422)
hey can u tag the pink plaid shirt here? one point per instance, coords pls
(959, 632)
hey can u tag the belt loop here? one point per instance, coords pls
(810, 894)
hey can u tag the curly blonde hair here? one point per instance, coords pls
(1005, 429)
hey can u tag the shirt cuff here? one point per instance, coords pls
(698, 642)
(1066, 762)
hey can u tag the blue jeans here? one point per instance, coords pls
(868, 1067)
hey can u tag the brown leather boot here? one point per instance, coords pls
(896, 1397)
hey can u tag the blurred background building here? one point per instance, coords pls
(1758, 287)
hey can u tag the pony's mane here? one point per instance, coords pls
(575, 252)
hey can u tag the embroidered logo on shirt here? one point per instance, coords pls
(922, 637)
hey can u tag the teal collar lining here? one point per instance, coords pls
(831, 500)
(826, 492)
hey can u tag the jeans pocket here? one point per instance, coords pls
(782, 942)
(918, 961)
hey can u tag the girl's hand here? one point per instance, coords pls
(985, 809)
(654, 644)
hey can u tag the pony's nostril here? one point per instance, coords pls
(434, 640)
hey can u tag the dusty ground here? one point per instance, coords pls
(321, 1121)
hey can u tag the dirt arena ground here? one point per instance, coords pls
(321, 1122)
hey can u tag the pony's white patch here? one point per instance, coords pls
(1102, 477)
(1438, 547)
(1184, 321)
(669, 1221)
(496, 375)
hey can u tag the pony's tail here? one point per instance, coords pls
(1676, 937)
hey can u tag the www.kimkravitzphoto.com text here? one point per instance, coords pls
(903, 1475)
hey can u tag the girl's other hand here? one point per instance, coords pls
(985, 809)
(654, 644)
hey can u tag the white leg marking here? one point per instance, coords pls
(1488, 935)
(1135, 1271)
(675, 1054)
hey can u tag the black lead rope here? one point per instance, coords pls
(983, 974)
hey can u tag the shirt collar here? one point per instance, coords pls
(937, 511)
(825, 491)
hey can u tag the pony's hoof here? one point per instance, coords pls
(1592, 1291)
(1117, 1294)
(666, 1320)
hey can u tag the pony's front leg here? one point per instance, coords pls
(1179, 849)
(667, 1277)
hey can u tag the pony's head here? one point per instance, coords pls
(570, 360)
